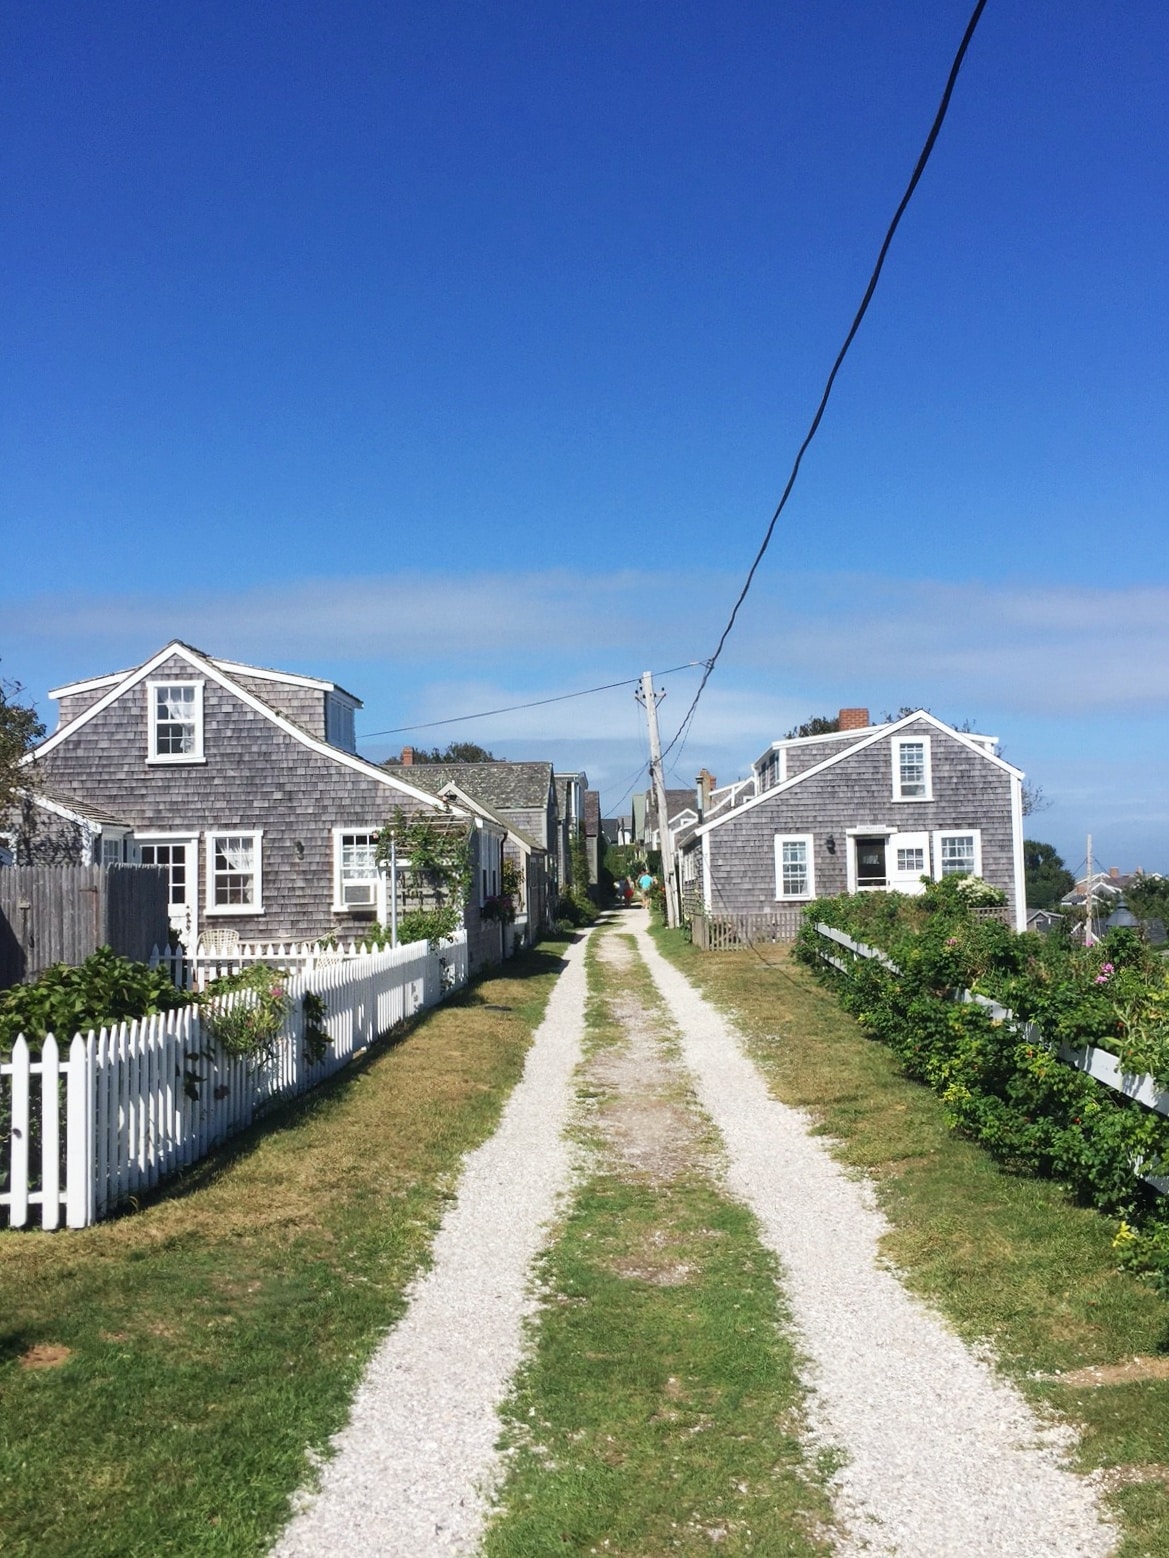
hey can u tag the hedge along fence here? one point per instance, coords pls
(1016, 1034)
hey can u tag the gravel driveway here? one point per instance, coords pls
(415, 1464)
(943, 1457)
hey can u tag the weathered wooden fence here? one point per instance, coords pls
(727, 932)
(124, 1107)
(1100, 1064)
(60, 914)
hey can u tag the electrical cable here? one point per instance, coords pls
(919, 169)
(537, 703)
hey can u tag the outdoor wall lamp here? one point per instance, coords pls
(830, 844)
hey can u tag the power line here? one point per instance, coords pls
(919, 169)
(537, 703)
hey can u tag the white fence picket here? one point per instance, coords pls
(21, 1070)
(50, 1135)
(129, 1118)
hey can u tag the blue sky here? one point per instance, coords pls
(460, 351)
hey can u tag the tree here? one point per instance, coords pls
(1048, 879)
(1033, 799)
(457, 752)
(1148, 898)
(818, 725)
(20, 729)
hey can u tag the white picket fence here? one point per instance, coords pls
(195, 970)
(132, 1104)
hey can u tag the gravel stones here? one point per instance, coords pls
(941, 1457)
(414, 1467)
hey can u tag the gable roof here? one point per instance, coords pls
(261, 672)
(213, 669)
(867, 739)
(473, 804)
(501, 785)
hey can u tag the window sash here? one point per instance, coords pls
(912, 770)
(793, 866)
(957, 854)
(176, 722)
(234, 868)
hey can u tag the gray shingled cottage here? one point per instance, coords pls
(521, 797)
(862, 808)
(245, 784)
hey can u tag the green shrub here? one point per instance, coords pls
(251, 1025)
(432, 925)
(104, 990)
(1002, 1081)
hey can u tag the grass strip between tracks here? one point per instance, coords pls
(659, 1411)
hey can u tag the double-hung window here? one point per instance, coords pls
(354, 868)
(958, 853)
(234, 882)
(911, 769)
(176, 722)
(794, 874)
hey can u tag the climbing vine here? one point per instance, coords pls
(435, 872)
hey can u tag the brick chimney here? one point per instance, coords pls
(407, 757)
(704, 784)
(854, 719)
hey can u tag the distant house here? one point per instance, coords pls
(244, 783)
(862, 808)
(681, 812)
(521, 798)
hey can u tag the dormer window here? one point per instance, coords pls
(911, 769)
(339, 730)
(176, 722)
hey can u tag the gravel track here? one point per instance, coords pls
(414, 1467)
(943, 1457)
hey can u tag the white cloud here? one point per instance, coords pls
(804, 642)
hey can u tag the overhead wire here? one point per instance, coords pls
(512, 708)
(915, 177)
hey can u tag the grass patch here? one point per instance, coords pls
(1005, 1257)
(162, 1375)
(659, 1411)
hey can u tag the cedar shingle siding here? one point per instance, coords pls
(255, 776)
(969, 792)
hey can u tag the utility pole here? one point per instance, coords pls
(1089, 937)
(646, 696)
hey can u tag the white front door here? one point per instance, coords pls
(909, 861)
(180, 856)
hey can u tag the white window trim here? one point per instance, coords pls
(210, 907)
(794, 838)
(489, 874)
(959, 833)
(912, 741)
(169, 759)
(339, 904)
(116, 836)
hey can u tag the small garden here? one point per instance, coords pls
(1001, 1081)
